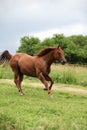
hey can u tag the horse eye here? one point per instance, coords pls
(59, 53)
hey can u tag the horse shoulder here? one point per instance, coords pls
(41, 66)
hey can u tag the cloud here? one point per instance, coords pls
(66, 30)
(46, 10)
(40, 18)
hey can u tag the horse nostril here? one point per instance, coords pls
(63, 62)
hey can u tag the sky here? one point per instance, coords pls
(40, 18)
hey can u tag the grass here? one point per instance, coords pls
(6, 72)
(70, 74)
(36, 111)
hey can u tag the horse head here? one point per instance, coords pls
(59, 55)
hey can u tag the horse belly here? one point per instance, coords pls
(27, 68)
(29, 71)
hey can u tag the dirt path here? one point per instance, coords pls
(59, 87)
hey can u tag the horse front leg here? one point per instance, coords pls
(48, 78)
(43, 80)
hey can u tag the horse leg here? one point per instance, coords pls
(19, 84)
(48, 78)
(18, 76)
(17, 80)
(42, 78)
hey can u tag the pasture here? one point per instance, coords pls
(36, 111)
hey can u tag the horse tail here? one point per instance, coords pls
(5, 57)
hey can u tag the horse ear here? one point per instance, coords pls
(59, 47)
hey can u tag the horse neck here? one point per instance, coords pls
(49, 58)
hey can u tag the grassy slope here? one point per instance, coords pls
(35, 111)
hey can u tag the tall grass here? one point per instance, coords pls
(6, 72)
(68, 74)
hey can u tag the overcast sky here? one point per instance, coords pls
(40, 18)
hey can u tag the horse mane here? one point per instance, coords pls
(45, 51)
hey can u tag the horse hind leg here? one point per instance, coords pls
(18, 77)
(19, 84)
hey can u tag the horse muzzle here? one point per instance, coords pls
(63, 62)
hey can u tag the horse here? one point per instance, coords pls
(38, 66)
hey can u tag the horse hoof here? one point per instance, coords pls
(50, 96)
(21, 94)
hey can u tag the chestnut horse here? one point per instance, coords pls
(35, 66)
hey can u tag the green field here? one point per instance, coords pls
(36, 111)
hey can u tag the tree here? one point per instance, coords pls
(28, 45)
(75, 47)
(78, 39)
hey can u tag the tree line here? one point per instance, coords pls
(75, 46)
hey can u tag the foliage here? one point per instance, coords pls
(28, 45)
(75, 47)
